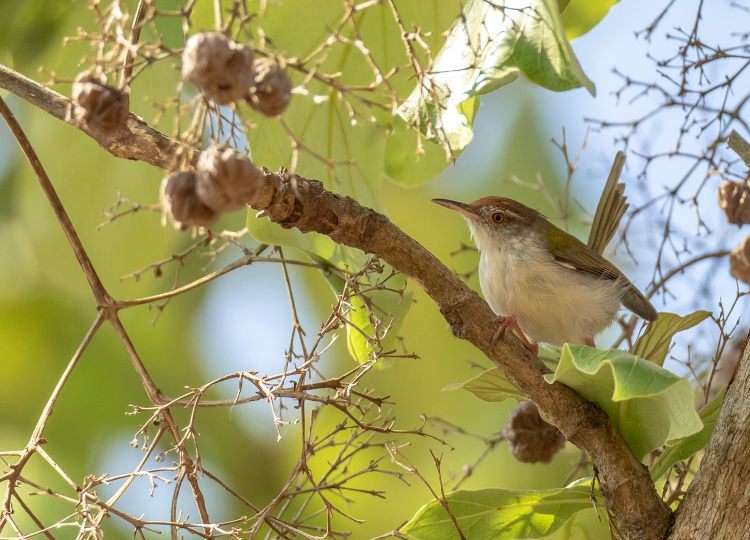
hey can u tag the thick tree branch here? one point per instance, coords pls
(292, 201)
(717, 501)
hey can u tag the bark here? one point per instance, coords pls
(717, 503)
(292, 201)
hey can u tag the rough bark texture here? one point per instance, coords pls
(717, 504)
(307, 205)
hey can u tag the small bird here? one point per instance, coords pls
(543, 282)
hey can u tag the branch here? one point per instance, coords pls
(137, 141)
(292, 201)
(715, 505)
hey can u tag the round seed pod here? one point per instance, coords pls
(531, 439)
(273, 88)
(226, 180)
(739, 261)
(219, 67)
(101, 108)
(181, 201)
(734, 199)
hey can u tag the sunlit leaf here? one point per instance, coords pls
(654, 343)
(490, 385)
(688, 446)
(488, 47)
(357, 341)
(500, 514)
(580, 16)
(359, 330)
(389, 304)
(649, 405)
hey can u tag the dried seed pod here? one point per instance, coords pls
(101, 108)
(273, 88)
(226, 180)
(219, 67)
(180, 199)
(734, 199)
(531, 439)
(739, 261)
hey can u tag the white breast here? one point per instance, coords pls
(552, 303)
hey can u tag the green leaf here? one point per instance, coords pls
(267, 232)
(654, 343)
(491, 385)
(386, 304)
(499, 514)
(358, 345)
(329, 272)
(410, 162)
(649, 405)
(580, 16)
(688, 446)
(359, 330)
(488, 47)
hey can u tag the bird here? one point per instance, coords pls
(541, 281)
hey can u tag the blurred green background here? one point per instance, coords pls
(242, 321)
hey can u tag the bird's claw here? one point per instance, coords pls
(510, 323)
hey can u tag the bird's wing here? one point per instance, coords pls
(570, 252)
(611, 208)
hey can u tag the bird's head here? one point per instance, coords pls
(495, 220)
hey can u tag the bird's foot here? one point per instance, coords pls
(590, 342)
(506, 323)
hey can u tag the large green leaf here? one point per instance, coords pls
(490, 385)
(688, 446)
(488, 47)
(580, 16)
(499, 514)
(649, 405)
(654, 343)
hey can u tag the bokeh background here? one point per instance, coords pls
(242, 321)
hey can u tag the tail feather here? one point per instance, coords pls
(636, 302)
(611, 208)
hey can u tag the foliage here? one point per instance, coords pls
(490, 385)
(692, 444)
(489, 46)
(579, 16)
(499, 513)
(654, 344)
(649, 405)
(383, 90)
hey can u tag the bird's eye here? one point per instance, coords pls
(497, 217)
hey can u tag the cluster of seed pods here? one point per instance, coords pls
(734, 199)
(224, 72)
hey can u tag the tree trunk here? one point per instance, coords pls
(717, 503)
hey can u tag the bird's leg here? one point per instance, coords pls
(590, 342)
(510, 322)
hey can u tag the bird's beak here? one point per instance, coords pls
(467, 210)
